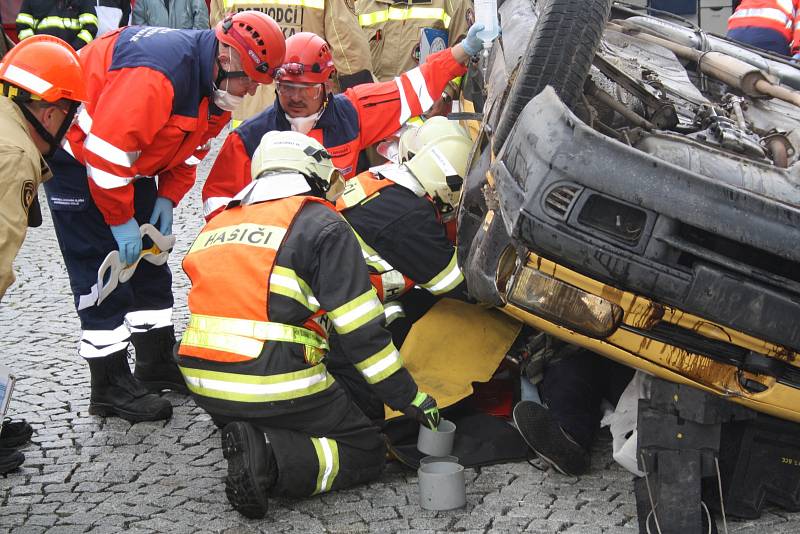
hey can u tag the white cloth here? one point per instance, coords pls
(623, 422)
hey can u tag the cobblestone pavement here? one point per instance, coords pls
(89, 474)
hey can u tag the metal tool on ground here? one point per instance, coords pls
(114, 271)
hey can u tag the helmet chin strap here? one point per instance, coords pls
(53, 141)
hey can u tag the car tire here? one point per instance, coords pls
(559, 54)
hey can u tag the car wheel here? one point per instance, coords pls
(559, 54)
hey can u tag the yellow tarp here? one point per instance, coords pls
(453, 345)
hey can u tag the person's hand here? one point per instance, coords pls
(162, 214)
(441, 107)
(472, 44)
(796, 58)
(129, 240)
(423, 408)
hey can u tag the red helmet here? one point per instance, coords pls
(46, 67)
(308, 59)
(257, 38)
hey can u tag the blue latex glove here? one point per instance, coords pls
(162, 215)
(129, 240)
(472, 44)
(796, 57)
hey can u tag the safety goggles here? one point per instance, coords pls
(302, 90)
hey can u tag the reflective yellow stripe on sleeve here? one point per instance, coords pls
(356, 313)
(87, 18)
(25, 18)
(84, 35)
(24, 34)
(284, 281)
(58, 22)
(396, 13)
(250, 388)
(446, 280)
(381, 365)
(328, 455)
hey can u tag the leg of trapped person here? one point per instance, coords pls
(150, 318)
(574, 385)
(312, 445)
(85, 240)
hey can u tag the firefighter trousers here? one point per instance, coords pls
(321, 443)
(85, 240)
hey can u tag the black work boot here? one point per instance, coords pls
(548, 440)
(116, 392)
(252, 469)
(10, 459)
(155, 367)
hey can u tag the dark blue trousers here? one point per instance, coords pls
(765, 38)
(85, 240)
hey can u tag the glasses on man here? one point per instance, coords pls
(298, 89)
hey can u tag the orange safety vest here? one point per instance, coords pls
(778, 15)
(388, 282)
(230, 265)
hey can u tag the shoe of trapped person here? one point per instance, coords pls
(252, 469)
(10, 459)
(15, 433)
(155, 367)
(548, 440)
(116, 392)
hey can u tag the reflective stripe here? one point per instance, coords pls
(420, 88)
(26, 79)
(357, 312)
(381, 365)
(109, 152)
(786, 5)
(313, 4)
(88, 18)
(247, 234)
(249, 388)
(372, 258)
(24, 34)
(328, 455)
(765, 13)
(67, 148)
(393, 310)
(397, 13)
(393, 283)
(25, 18)
(85, 36)
(106, 180)
(212, 204)
(405, 110)
(59, 22)
(84, 120)
(446, 280)
(284, 281)
(99, 343)
(243, 336)
(192, 161)
(144, 320)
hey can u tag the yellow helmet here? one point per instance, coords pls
(294, 152)
(437, 154)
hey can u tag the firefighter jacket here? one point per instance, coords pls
(266, 276)
(22, 169)
(783, 16)
(181, 14)
(333, 20)
(402, 239)
(351, 121)
(149, 110)
(74, 21)
(393, 30)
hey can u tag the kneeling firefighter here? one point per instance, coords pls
(275, 266)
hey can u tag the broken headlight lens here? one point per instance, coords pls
(564, 304)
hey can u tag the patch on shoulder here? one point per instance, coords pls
(28, 192)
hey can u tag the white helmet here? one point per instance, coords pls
(437, 154)
(294, 152)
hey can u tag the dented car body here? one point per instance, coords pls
(655, 218)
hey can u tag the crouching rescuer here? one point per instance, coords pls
(269, 274)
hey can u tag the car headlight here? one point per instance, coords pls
(563, 304)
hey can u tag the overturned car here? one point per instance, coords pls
(635, 190)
